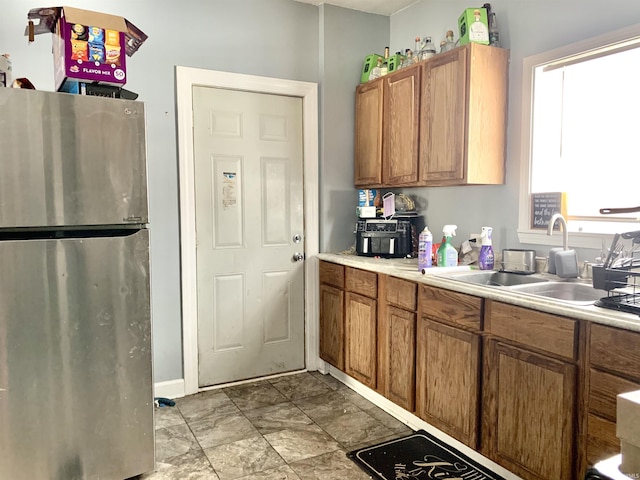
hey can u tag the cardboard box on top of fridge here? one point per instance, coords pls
(474, 26)
(87, 46)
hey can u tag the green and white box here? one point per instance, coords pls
(473, 26)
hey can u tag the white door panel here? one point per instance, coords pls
(249, 206)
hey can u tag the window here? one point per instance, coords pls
(581, 134)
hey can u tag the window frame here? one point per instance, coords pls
(538, 236)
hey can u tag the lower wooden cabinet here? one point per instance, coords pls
(402, 357)
(613, 367)
(529, 407)
(396, 341)
(533, 391)
(448, 379)
(332, 314)
(332, 325)
(361, 323)
(448, 362)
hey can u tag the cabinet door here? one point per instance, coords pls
(361, 338)
(332, 325)
(443, 119)
(368, 141)
(400, 127)
(529, 412)
(602, 442)
(402, 360)
(448, 379)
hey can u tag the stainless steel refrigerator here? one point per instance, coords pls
(76, 392)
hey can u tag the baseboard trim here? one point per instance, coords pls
(415, 422)
(169, 389)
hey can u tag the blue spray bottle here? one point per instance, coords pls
(486, 258)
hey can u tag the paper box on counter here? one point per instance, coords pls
(474, 26)
(628, 431)
(87, 46)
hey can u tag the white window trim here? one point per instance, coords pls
(525, 233)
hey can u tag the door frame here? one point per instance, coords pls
(186, 78)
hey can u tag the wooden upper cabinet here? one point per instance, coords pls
(463, 116)
(368, 133)
(401, 112)
(442, 122)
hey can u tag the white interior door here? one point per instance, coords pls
(248, 165)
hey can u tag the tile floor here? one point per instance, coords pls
(294, 427)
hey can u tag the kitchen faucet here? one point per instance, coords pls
(563, 262)
(563, 224)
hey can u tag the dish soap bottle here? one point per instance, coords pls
(425, 240)
(486, 257)
(447, 253)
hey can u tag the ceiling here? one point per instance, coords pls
(381, 7)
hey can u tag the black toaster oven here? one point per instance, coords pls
(384, 238)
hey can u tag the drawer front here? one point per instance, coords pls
(450, 307)
(615, 350)
(603, 389)
(362, 282)
(602, 442)
(402, 293)
(542, 331)
(332, 274)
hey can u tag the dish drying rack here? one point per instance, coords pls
(620, 277)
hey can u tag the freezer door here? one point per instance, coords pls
(76, 396)
(71, 160)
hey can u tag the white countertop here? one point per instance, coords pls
(408, 270)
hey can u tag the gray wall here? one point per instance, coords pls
(274, 38)
(347, 36)
(526, 28)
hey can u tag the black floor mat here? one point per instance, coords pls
(419, 456)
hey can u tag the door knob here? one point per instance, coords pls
(298, 257)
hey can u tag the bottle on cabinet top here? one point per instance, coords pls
(428, 49)
(376, 72)
(449, 43)
(494, 35)
(385, 63)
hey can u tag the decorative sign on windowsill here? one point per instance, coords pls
(544, 205)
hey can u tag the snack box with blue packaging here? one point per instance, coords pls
(87, 45)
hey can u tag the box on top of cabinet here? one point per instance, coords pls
(474, 26)
(87, 45)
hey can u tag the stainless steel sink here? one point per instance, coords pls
(497, 279)
(571, 292)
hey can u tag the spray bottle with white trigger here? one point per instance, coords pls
(486, 257)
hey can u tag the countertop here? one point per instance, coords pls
(436, 277)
